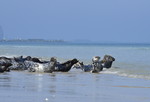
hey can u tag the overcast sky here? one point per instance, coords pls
(95, 20)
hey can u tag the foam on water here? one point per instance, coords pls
(134, 73)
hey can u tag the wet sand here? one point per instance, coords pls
(73, 86)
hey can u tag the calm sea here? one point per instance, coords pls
(132, 60)
(127, 81)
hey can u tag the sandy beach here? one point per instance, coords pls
(73, 86)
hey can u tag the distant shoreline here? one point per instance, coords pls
(37, 41)
(30, 40)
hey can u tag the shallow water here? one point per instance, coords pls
(127, 81)
(72, 86)
(132, 60)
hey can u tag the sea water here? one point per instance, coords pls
(132, 60)
(127, 81)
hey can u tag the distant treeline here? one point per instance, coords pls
(30, 40)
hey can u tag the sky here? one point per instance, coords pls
(76, 20)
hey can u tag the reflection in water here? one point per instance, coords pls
(63, 87)
(5, 80)
(52, 86)
(52, 89)
(52, 75)
(96, 86)
(39, 82)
